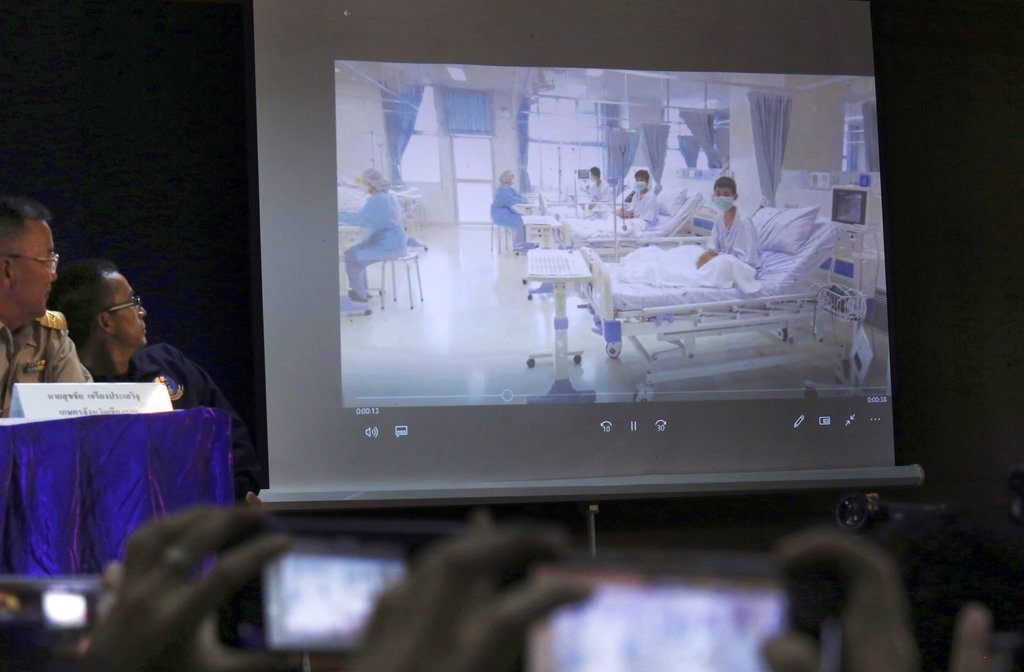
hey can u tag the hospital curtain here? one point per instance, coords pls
(721, 134)
(870, 113)
(523, 133)
(400, 110)
(769, 117)
(690, 148)
(467, 112)
(609, 118)
(702, 124)
(656, 141)
(620, 150)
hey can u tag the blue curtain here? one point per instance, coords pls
(523, 135)
(656, 142)
(399, 119)
(721, 132)
(467, 112)
(608, 118)
(620, 150)
(702, 125)
(870, 112)
(690, 148)
(769, 117)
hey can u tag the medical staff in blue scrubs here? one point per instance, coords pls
(502, 213)
(385, 240)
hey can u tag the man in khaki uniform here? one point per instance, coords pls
(34, 343)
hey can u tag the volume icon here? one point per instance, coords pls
(372, 432)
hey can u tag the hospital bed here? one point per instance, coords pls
(794, 245)
(598, 234)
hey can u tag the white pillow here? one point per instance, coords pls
(784, 229)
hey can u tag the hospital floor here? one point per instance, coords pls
(468, 340)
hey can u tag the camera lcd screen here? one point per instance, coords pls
(319, 599)
(65, 609)
(638, 622)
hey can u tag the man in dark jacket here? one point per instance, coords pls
(106, 321)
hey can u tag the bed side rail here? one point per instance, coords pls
(600, 284)
(715, 305)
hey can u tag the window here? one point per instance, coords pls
(854, 148)
(565, 136)
(421, 161)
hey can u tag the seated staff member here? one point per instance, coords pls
(107, 320)
(733, 232)
(502, 214)
(34, 343)
(644, 204)
(385, 239)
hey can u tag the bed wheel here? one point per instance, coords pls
(529, 297)
(644, 393)
(613, 350)
(524, 281)
(576, 359)
(530, 363)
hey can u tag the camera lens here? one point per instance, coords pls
(852, 511)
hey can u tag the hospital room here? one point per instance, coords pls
(519, 235)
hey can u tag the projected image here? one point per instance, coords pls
(516, 235)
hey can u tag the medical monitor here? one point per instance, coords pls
(432, 334)
(850, 205)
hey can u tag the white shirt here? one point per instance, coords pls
(740, 240)
(597, 193)
(645, 206)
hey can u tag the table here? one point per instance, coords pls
(72, 491)
(559, 267)
(543, 230)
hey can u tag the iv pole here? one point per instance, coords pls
(622, 179)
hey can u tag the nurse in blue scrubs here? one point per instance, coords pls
(385, 240)
(502, 213)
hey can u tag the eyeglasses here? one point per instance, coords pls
(50, 260)
(133, 300)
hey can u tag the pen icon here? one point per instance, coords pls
(799, 421)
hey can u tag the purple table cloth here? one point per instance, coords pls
(72, 491)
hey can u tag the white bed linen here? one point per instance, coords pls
(581, 231)
(781, 273)
(677, 267)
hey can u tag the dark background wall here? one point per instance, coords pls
(129, 120)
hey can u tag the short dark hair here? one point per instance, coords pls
(80, 292)
(14, 212)
(595, 172)
(642, 174)
(726, 182)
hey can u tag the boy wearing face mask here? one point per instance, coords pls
(733, 232)
(644, 204)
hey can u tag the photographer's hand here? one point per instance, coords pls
(163, 616)
(448, 615)
(877, 635)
